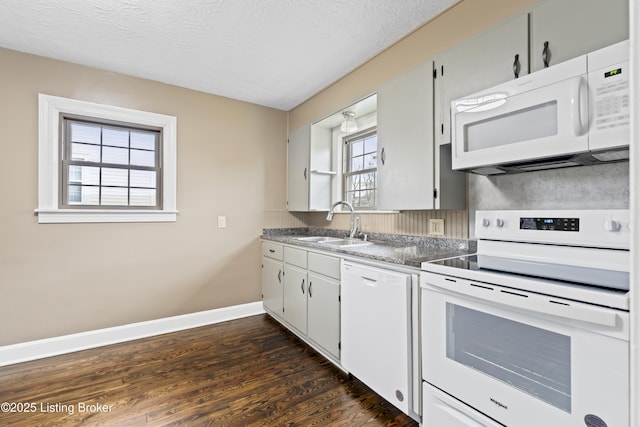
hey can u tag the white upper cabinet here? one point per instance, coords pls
(405, 141)
(309, 173)
(298, 169)
(570, 28)
(493, 56)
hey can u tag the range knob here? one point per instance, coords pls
(485, 222)
(499, 223)
(611, 225)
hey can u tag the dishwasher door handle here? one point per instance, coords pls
(369, 281)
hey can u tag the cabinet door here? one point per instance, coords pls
(476, 64)
(272, 285)
(298, 169)
(295, 297)
(405, 141)
(324, 313)
(576, 27)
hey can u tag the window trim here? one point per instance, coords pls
(50, 109)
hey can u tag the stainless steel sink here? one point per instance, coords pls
(317, 239)
(345, 242)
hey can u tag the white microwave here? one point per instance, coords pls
(574, 113)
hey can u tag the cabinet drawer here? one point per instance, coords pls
(272, 250)
(295, 257)
(324, 264)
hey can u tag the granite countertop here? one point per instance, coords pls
(394, 248)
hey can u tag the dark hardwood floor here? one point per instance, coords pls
(246, 372)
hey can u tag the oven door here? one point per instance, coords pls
(542, 115)
(525, 359)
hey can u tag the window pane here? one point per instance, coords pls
(356, 164)
(119, 156)
(85, 152)
(83, 195)
(88, 134)
(353, 182)
(117, 137)
(87, 175)
(353, 198)
(143, 197)
(371, 144)
(367, 199)
(371, 161)
(143, 140)
(143, 158)
(114, 196)
(368, 180)
(143, 178)
(356, 148)
(115, 177)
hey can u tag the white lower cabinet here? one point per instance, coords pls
(272, 278)
(295, 297)
(302, 289)
(323, 311)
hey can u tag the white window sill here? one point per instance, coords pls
(67, 216)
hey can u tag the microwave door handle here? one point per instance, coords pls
(536, 303)
(579, 106)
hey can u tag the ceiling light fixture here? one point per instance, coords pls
(349, 122)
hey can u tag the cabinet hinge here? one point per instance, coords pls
(442, 129)
(435, 74)
(435, 193)
(442, 70)
(339, 346)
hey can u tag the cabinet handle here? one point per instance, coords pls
(302, 286)
(383, 155)
(516, 66)
(280, 276)
(310, 283)
(305, 173)
(546, 55)
(273, 251)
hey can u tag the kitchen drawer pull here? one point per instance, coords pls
(302, 286)
(546, 55)
(516, 66)
(273, 251)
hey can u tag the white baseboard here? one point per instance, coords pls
(47, 347)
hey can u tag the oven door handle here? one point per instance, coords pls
(513, 298)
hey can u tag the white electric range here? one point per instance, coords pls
(534, 328)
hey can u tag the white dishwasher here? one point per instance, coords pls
(376, 330)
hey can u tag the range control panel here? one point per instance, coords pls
(552, 224)
(599, 228)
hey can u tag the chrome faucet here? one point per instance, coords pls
(354, 226)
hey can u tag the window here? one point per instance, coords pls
(361, 169)
(100, 163)
(106, 165)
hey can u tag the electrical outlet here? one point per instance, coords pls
(436, 227)
(222, 222)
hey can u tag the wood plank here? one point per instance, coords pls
(246, 372)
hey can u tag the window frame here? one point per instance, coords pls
(51, 109)
(346, 169)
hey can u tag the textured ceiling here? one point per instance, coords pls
(276, 53)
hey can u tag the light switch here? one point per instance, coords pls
(436, 227)
(222, 222)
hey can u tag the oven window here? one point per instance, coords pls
(533, 360)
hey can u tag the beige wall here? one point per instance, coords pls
(57, 279)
